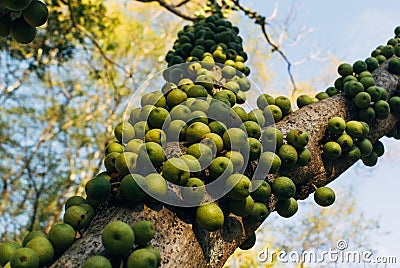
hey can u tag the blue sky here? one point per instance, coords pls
(349, 30)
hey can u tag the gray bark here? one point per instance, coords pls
(184, 244)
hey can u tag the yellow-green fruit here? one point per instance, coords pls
(287, 207)
(345, 142)
(332, 91)
(241, 113)
(43, 248)
(61, 235)
(366, 115)
(109, 162)
(157, 117)
(272, 111)
(5, 25)
(271, 139)
(7, 250)
(16, 5)
(131, 187)
(125, 163)
(353, 154)
(196, 131)
(156, 252)
(261, 190)
(345, 69)
(118, 238)
(304, 157)
(97, 262)
(352, 88)
(255, 148)
(114, 147)
(192, 163)
(359, 66)
(297, 138)
(176, 171)
(150, 154)
(124, 132)
(33, 235)
(324, 196)
(210, 217)
(144, 231)
(220, 167)
(175, 97)
(156, 186)
(382, 109)
(367, 82)
(252, 129)
(36, 13)
(156, 135)
(354, 129)
(239, 186)
(236, 159)
(258, 213)
(264, 100)
(194, 191)
(202, 152)
(283, 188)
(235, 139)
(98, 188)
(288, 155)
(24, 258)
(215, 139)
(77, 217)
(395, 104)
(142, 258)
(362, 100)
(257, 116)
(22, 32)
(242, 207)
(322, 95)
(284, 104)
(134, 146)
(365, 146)
(332, 150)
(249, 242)
(303, 100)
(269, 162)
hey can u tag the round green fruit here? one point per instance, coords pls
(61, 235)
(210, 217)
(176, 171)
(117, 238)
(324, 196)
(239, 186)
(288, 155)
(362, 100)
(144, 231)
(336, 125)
(97, 262)
(354, 129)
(287, 207)
(297, 138)
(242, 207)
(98, 188)
(77, 217)
(196, 131)
(142, 258)
(156, 186)
(370, 160)
(332, 150)
(131, 187)
(124, 132)
(382, 109)
(271, 139)
(261, 190)
(43, 248)
(220, 167)
(7, 250)
(345, 142)
(283, 188)
(194, 191)
(345, 69)
(259, 213)
(33, 235)
(304, 157)
(24, 258)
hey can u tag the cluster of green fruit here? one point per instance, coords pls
(351, 142)
(278, 107)
(119, 238)
(22, 18)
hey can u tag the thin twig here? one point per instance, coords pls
(171, 8)
(184, 2)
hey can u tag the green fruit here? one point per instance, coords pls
(303, 100)
(77, 217)
(235, 139)
(297, 138)
(239, 186)
(283, 188)
(176, 130)
(24, 258)
(61, 235)
(253, 129)
(199, 105)
(43, 248)
(257, 116)
(155, 252)
(304, 157)
(366, 115)
(379, 148)
(175, 97)
(5, 25)
(196, 131)
(194, 191)
(156, 186)
(365, 147)
(274, 112)
(142, 258)
(242, 207)
(288, 155)
(345, 69)
(374, 93)
(125, 163)
(231, 96)
(372, 63)
(259, 213)
(345, 142)
(236, 159)
(192, 163)
(324, 196)
(381, 59)
(118, 238)
(206, 81)
(155, 135)
(286, 207)
(353, 154)
(36, 13)
(382, 109)
(359, 66)
(220, 166)
(157, 117)
(97, 262)
(7, 250)
(322, 95)
(255, 148)
(271, 139)
(383, 93)
(180, 112)
(215, 140)
(367, 82)
(332, 91)
(264, 100)
(202, 152)
(124, 132)
(197, 116)
(370, 160)
(197, 91)
(16, 5)
(249, 242)
(176, 171)
(114, 147)
(22, 32)
(33, 235)
(109, 162)
(150, 154)
(261, 190)
(387, 51)
(144, 232)
(394, 66)
(352, 88)
(284, 104)
(241, 113)
(210, 217)
(362, 100)
(332, 150)
(131, 187)
(365, 74)
(269, 162)
(98, 188)
(354, 129)
(395, 104)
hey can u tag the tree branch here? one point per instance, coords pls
(172, 8)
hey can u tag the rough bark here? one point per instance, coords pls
(184, 244)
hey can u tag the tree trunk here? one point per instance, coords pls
(182, 243)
